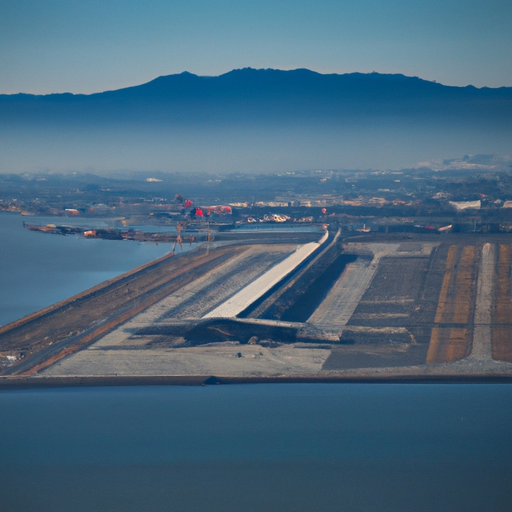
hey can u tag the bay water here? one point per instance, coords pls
(39, 269)
(271, 447)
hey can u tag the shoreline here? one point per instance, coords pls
(16, 383)
(37, 315)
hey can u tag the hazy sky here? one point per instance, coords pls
(94, 45)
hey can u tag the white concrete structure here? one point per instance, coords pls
(257, 288)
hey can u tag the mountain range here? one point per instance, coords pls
(251, 119)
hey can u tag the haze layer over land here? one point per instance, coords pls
(254, 120)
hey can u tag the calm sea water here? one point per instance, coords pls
(277, 447)
(38, 269)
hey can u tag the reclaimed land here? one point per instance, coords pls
(419, 310)
(158, 343)
(70, 325)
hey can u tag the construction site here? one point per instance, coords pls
(311, 305)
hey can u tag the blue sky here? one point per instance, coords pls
(90, 46)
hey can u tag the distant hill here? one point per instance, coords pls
(267, 114)
(258, 95)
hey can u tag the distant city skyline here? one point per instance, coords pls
(86, 47)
